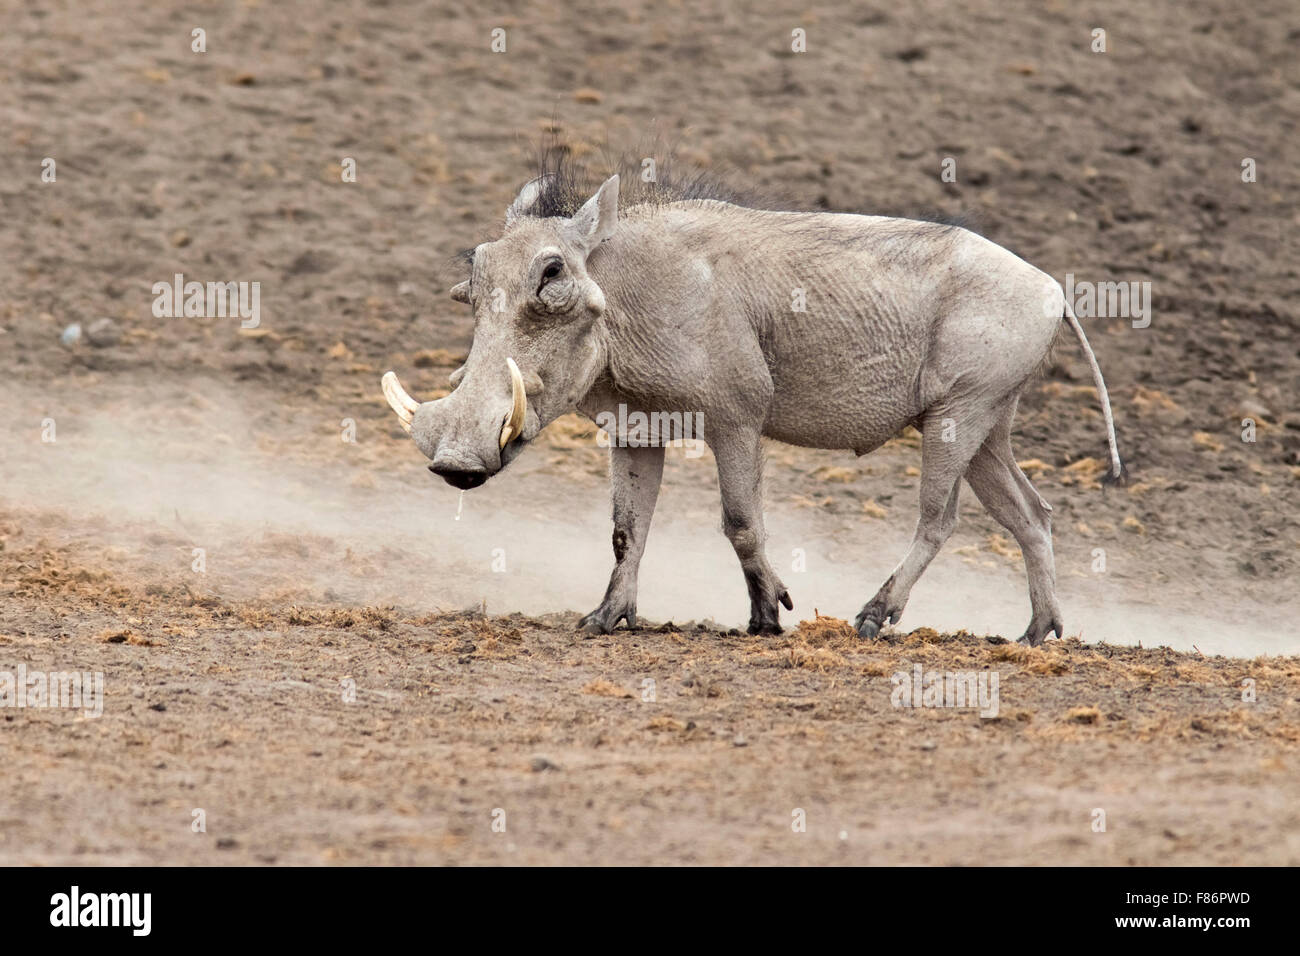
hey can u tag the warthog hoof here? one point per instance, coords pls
(867, 629)
(605, 618)
(1038, 631)
(764, 618)
(873, 616)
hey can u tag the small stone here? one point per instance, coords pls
(103, 333)
(929, 745)
(740, 741)
(542, 763)
(71, 336)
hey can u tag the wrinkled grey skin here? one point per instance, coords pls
(688, 307)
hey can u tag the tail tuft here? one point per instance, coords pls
(1118, 479)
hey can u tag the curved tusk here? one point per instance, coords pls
(518, 405)
(403, 404)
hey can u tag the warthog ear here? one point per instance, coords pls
(460, 291)
(595, 221)
(527, 196)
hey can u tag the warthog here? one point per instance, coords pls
(823, 330)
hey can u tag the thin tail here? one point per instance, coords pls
(1116, 467)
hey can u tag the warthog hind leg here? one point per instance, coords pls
(1016, 504)
(951, 435)
(740, 468)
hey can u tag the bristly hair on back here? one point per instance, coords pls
(566, 183)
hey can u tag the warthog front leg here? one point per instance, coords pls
(634, 476)
(740, 469)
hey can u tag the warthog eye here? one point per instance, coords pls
(550, 271)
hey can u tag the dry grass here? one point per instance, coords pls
(1000, 546)
(1204, 441)
(873, 510)
(1048, 661)
(437, 358)
(127, 636)
(1034, 467)
(823, 630)
(603, 688)
(666, 724)
(1086, 473)
(1149, 399)
(836, 474)
(379, 618)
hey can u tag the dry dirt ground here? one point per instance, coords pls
(334, 564)
(238, 710)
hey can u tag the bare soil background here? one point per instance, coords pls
(330, 560)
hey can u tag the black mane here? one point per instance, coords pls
(566, 184)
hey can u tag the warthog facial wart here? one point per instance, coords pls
(675, 302)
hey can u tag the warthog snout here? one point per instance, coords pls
(458, 477)
(466, 442)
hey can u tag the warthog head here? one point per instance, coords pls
(535, 352)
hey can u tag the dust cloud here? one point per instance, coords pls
(284, 510)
